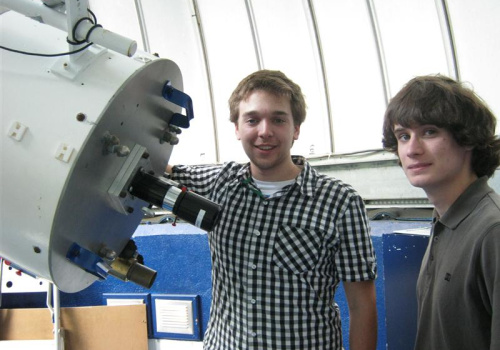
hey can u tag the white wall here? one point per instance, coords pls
(346, 95)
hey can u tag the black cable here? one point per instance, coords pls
(91, 30)
(78, 42)
(93, 15)
(92, 20)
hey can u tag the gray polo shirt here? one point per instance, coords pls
(458, 289)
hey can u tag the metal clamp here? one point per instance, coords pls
(87, 260)
(181, 99)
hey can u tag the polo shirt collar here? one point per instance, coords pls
(465, 203)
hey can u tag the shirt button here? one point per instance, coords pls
(253, 301)
(254, 266)
(254, 334)
(265, 203)
(257, 233)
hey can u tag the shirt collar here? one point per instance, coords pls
(465, 203)
(306, 179)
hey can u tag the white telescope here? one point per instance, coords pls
(76, 134)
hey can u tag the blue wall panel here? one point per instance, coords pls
(402, 259)
(379, 285)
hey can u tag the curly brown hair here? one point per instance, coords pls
(443, 102)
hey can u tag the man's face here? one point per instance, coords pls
(432, 159)
(266, 130)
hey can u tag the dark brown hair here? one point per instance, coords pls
(443, 102)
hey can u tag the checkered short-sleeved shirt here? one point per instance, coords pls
(277, 261)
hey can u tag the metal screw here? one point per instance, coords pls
(108, 253)
(81, 117)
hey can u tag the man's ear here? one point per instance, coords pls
(237, 131)
(296, 132)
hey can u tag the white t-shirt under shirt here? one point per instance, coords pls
(269, 188)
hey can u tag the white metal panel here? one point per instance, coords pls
(353, 73)
(379, 180)
(16, 281)
(477, 34)
(231, 57)
(288, 44)
(412, 40)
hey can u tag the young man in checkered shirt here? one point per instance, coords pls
(287, 235)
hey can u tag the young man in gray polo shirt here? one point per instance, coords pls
(445, 138)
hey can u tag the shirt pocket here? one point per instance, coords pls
(296, 249)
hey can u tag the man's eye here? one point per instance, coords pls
(430, 132)
(403, 137)
(279, 121)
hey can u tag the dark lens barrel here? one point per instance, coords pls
(148, 188)
(197, 210)
(188, 206)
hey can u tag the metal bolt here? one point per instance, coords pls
(174, 141)
(175, 129)
(81, 117)
(108, 253)
(119, 150)
(167, 136)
